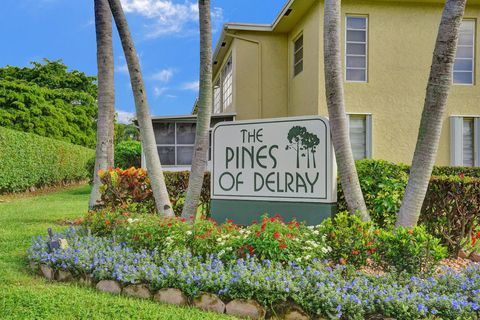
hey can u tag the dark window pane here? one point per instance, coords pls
(356, 48)
(357, 36)
(167, 155)
(184, 155)
(463, 65)
(299, 55)
(164, 133)
(299, 43)
(465, 52)
(356, 62)
(356, 22)
(185, 133)
(298, 68)
(356, 75)
(462, 77)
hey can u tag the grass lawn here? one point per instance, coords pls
(26, 296)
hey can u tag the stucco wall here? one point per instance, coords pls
(401, 40)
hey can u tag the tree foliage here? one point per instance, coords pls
(48, 100)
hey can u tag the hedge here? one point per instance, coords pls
(451, 210)
(28, 160)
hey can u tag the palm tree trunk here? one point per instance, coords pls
(106, 95)
(433, 110)
(336, 111)
(144, 119)
(200, 154)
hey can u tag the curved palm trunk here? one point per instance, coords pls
(200, 154)
(106, 95)
(144, 119)
(432, 117)
(336, 111)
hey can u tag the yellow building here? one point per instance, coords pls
(276, 70)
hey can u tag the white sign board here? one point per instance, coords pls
(285, 159)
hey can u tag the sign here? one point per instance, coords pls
(286, 159)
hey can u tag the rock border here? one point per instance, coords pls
(240, 308)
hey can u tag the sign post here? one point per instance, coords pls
(279, 166)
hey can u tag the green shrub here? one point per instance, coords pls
(351, 241)
(132, 186)
(28, 160)
(409, 250)
(473, 172)
(451, 210)
(383, 184)
(128, 154)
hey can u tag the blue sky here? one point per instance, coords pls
(165, 33)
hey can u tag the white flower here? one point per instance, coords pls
(316, 232)
(229, 248)
(222, 252)
(189, 233)
(299, 259)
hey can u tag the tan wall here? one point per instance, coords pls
(303, 88)
(400, 46)
(401, 40)
(251, 100)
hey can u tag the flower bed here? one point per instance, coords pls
(318, 289)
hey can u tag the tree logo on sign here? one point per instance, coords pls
(304, 143)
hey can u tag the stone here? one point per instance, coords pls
(138, 291)
(109, 286)
(209, 302)
(295, 314)
(47, 272)
(63, 276)
(246, 309)
(171, 296)
(87, 280)
(475, 257)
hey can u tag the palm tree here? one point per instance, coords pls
(144, 119)
(433, 111)
(106, 95)
(336, 110)
(200, 154)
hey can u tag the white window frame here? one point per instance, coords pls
(368, 131)
(218, 84)
(295, 63)
(474, 40)
(356, 42)
(175, 145)
(224, 76)
(456, 139)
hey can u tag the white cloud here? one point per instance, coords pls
(122, 68)
(158, 91)
(193, 86)
(169, 16)
(163, 75)
(125, 116)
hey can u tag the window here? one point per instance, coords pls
(360, 128)
(175, 142)
(465, 141)
(227, 83)
(464, 60)
(298, 55)
(217, 96)
(356, 48)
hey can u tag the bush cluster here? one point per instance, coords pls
(344, 240)
(132, 187)
(451, 210)
(128, 154)
(320, 290)
(28, 160)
